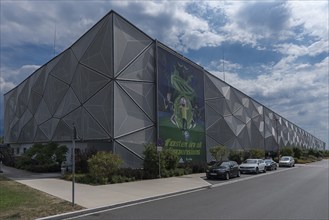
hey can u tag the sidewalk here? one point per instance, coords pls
(106, 195)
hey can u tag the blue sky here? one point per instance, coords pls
(274, 51)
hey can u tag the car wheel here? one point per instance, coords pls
(275, 168)
(264, 171)
(239, 174)
(227, 176)
(293, 165)
(257, 170)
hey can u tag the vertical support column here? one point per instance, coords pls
(113, 82)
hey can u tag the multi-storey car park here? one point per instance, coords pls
(121, 89)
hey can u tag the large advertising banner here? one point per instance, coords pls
(180, 107)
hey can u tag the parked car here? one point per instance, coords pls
(253, 166)
(270, 164)
(286, 161)
(223, 170)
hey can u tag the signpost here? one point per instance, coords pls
(73, 161)
(159, 149)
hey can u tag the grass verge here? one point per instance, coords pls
(18, 201)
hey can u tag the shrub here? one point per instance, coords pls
(325, 153)
(286, 151)
(170, 159)
(102, 165)
(257, 153)
(196, 167)
(246, 155)
(297, 152)
(131, 173)
(121, 179)
(151, 161)
(81, 159)
(42, 158)
(235, 156)
(218, 152)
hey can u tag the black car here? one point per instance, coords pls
(223, 170)
(270, 164)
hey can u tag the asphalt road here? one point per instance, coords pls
(294, 193)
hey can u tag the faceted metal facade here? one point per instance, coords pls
(237, 121)
(105, 84)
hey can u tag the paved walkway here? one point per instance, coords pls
(106, 195)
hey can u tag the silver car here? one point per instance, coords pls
(287, 161)
(253, 166)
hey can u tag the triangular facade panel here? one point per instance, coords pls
(211, 90)
(85, 41)
(34, 101)
(48, 127)
(28, 132)
(92, 129)
(211, 116)
(75, 118)
(136, 141)
(220, 106)
(142, 94)
(128, 117)
(54, 93)
(65, 68)
(40, 82)
(130, 158)
(42, 114)
(63, 132)
(87, 82)
(142, 69)
(40, 136)
(69, 103)
(100, 106)
(128, 43)
(99, 56)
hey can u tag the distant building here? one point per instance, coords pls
(122, 89)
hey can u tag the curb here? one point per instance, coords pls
(104, 208)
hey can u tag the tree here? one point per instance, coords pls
(218, 152)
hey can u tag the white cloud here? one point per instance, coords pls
(5, 86)
(312, 15)
(300, 50)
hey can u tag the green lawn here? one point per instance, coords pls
(18, 201)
